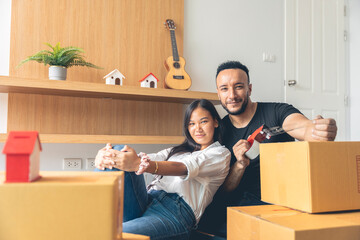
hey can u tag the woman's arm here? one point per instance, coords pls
(167, 168)
(128, 160)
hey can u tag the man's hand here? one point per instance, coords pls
(239, 149)
(303, 129)
(237, 170)
(324, 129)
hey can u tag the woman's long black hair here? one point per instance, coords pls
(189, 145)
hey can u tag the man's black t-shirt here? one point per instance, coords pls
(270, 114)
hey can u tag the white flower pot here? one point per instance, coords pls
(57, 73)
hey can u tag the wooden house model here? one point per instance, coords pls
(149, 81)
(114, 78)
(22, 149)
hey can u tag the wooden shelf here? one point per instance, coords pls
(125, 139)
(96, 90)
(101, 91)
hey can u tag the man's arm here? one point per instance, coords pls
(297, 126)
(238, 168)
(303, 129)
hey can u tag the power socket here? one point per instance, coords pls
(90, 163)
(72, 163)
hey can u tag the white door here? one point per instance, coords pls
(314, 59)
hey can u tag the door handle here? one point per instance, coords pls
(291, 83)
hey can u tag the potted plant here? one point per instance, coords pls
(59, 60)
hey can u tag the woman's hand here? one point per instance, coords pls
(101, 161)
(126, 159)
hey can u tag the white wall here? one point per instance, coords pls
(215, 31)
(354, 73)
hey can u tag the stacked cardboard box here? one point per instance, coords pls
(313, 177)
(77, 205)
(272, 222)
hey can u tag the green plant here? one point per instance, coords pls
(65, 57)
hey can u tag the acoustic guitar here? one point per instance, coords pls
(176, 77)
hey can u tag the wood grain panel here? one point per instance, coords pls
(125, 34)
(76, 115)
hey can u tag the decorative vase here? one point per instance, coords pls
(57, 73)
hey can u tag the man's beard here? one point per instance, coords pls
(241, 110)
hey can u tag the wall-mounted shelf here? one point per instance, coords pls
(97, 90)
(164, 115)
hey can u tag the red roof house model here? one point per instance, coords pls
(22, 151)
(149, 81)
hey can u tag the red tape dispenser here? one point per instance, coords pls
(255, 139)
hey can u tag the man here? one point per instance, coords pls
(242, 185)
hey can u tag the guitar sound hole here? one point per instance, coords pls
(178, 77)
(176, 65)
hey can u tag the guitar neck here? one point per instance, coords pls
(174, 46)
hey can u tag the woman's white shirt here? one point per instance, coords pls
(206, 171)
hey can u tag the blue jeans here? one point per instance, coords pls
(157, 214)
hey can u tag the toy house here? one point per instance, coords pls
(149, 81)
(22, 151)
(114, 78)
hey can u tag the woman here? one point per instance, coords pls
(188, 176)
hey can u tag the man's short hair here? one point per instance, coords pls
(233, 65)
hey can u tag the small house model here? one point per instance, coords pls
(22, 151)
(114, 78)
(149, 81)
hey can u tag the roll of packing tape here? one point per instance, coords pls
(254, 151)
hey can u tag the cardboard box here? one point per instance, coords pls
(271, 222)
(63, 205)
(311, 176)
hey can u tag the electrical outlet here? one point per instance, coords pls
(90, 163)
(72, 164)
